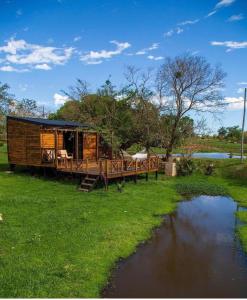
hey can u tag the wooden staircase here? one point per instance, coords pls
(88, 183)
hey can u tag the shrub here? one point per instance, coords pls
(185, 167)
(209, 169)
(120, 186)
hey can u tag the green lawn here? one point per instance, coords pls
(58, 242)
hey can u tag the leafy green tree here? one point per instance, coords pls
(222, 132)
(6, 99)
(6, 106)
(234, 133)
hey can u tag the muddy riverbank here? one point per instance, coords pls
(195, 253)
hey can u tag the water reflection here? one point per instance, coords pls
(194, 254)
(212, 155)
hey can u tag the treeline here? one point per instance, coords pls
(152, 108)
(231, 134)
(10, 105)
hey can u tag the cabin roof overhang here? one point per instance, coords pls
(51, 123)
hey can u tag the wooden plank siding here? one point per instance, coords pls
(23, 143)
(47, 139)
(90, 146)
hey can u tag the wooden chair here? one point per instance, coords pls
(48, 155)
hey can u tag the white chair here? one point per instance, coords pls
(63, 156)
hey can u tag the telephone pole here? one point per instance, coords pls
(243, 123)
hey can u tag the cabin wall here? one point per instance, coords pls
(90, 146)
(23, 143)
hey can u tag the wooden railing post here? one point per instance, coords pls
(87, 165)
(136, 165)
(76, 146)
(106, 167)
(56, 160)
(100, 167)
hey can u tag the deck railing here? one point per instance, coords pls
(107, 167)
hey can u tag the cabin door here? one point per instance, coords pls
(69, 142)
(90, 146)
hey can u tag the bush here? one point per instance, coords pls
(209, 169)
(185, 167)
(200, 188)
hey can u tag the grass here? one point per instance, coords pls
(57, 242)
(242, 229)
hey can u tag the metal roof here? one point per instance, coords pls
(56, 123)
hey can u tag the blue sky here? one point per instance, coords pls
(46, 44)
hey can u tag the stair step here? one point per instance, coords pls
(90, 179)
(83, 190)
(87, 184)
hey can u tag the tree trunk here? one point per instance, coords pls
(172, 139)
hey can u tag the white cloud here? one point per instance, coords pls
(211, 13)
(155, 57)
(171, 32)
(188, 22)
(12, 69)
(179, 30)
(234, 103)
(242, 83)
(154, 46)
(97, 57)
(13, 46)
(19, 52)
(59, 99)
(43, 67)
(230, 45)
(224, 3)
(234, 18)
(77, 38)
(219, 5)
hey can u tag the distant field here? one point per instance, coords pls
(198, 145)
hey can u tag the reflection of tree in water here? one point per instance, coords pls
(185, 262)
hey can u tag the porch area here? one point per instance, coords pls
(109, 168)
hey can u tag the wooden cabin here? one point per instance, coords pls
(69, 147)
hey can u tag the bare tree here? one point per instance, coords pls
(139, 91)
(78, 91)
(188, 83)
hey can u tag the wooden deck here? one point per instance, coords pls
(109, 168)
